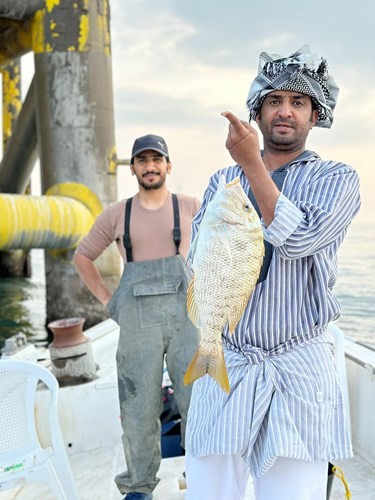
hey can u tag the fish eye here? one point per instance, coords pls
(247, 207)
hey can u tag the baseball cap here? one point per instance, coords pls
(150, 141)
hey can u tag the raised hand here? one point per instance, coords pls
(242, 140)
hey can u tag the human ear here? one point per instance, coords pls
(314, 117)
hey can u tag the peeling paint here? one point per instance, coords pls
(68, 81)
(61, 26)
(112, 160)
(12, 102)
(83, 33)
(37, 33)
(104, 26)
(51, 4)
(64, 25)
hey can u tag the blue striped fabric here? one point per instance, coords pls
(285, 399)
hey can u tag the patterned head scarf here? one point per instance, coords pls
(302, 72)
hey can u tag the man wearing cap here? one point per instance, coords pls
(284, 418)
(152, 232)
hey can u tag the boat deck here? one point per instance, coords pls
(94, 472)
(92, 433)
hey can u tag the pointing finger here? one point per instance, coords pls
(232, 118)
(238, 126)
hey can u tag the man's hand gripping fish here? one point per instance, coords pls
(226, 255)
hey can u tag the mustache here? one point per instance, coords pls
(153, 172)
(283, 121)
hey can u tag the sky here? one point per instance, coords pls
(177, 64)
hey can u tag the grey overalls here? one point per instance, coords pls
(150, 307)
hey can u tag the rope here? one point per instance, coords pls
(336, 471)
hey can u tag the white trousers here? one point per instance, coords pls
(225, 477)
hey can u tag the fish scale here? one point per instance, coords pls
(226, 257)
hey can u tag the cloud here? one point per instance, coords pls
(177, 65)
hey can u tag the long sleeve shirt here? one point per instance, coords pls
(285, 398)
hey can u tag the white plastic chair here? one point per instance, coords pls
(22, 459)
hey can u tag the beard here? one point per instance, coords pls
(290, 142)
(148, 186)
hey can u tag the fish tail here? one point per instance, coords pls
(211, 363)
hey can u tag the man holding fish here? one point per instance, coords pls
(271, 405)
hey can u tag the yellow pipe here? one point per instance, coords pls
(47, 221)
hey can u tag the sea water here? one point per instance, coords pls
(22, 301)
(355, 287)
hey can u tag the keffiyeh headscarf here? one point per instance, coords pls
(302, 72)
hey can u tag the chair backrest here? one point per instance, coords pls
(18, 383)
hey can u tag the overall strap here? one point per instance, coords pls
(176, 228)
(176, 218)
(127, 241)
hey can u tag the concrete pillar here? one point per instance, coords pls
(75, 125)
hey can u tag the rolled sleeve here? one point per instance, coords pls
(287, 219)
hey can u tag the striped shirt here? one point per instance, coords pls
(285, 398)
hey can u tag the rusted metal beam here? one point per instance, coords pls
(20, 9)
(20, 151)
(15, 39)
(12, 101)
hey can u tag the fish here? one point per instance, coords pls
(225, 258)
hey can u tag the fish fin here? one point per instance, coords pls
(210, 363)
(235, 181)
(191, 305)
